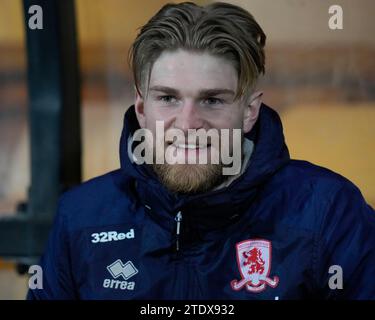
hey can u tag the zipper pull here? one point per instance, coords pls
(178, 219)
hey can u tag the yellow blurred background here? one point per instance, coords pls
(321, 81)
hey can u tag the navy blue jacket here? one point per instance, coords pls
(285, 229)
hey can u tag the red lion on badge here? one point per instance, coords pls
(254, 264)
(254, 260)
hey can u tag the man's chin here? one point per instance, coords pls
(189, 178)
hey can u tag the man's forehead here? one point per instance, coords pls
(195, 71)
(199, 91)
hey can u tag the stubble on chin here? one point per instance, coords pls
(189, 178)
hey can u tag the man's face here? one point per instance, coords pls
(193, 91)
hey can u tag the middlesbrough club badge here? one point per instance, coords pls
(254, 264)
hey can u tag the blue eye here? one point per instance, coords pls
(213, 101)
(167, 99)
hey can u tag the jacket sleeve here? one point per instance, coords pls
(55, 263)
(345, 247)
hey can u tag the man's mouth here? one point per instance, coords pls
(190, 146)
(190, 151)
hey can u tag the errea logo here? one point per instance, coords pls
(112, 236)
(118, 269)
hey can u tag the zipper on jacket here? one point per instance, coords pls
(178, 220)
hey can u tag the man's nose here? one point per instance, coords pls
(189, 117)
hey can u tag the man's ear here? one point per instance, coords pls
(139, 109)
(251, 111)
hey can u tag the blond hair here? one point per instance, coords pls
(219, 28)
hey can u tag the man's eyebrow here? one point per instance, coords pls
(215, 91)
(203, 92)
(164, 89)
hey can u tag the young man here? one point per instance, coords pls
(179, 227)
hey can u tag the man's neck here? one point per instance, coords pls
(248, 147)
